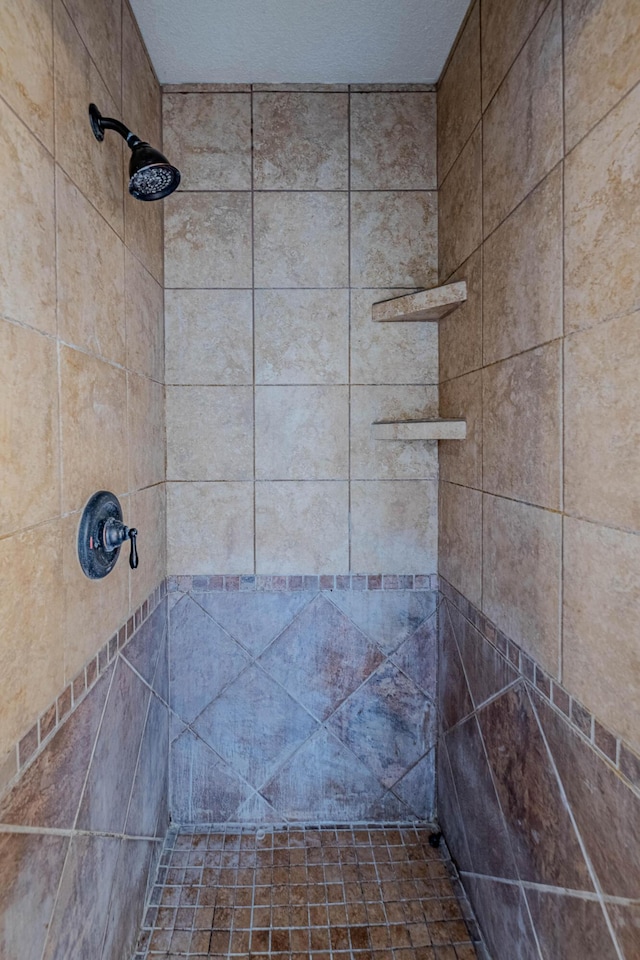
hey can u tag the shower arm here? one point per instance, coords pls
(99, 124)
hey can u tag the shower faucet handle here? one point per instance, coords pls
(115, 533)
(133, 556)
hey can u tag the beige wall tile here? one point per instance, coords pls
(602, 430)
(144, 231)
(460, 208)
(460, 334)
(301, 239)
(393, 141)
(394, 526)
(373, 459)
(141, 96)
(207, 136)
(93, 428)
(460, 539)
(90, 276)
(29, 447)
(99, 23)
(26, 64)
(302, 527)
(208, 240)
(523, 123)
(225, 511)
(522, 426)
(390, 352)
(602, 60)
(302, 433)
(523, 275)
(505, 25)
(208, 336)
(27, 227)
(461, 460)
(144, 320)
(302, 336)
(602, 193)
(394, 239)
(146, 418)
(601, 604)
(521, 574)
(209, 433)
(147, 512)
(300, 141)
(459, 106)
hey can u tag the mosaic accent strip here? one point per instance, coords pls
(274, 583)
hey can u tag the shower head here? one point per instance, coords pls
(151, 176)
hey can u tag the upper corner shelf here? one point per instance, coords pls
(433, 304)
(435, 429)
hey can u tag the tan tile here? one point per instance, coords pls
(302, 433)
(27, 227)
(521, 574)
(394, 526)
(602, 431)
(146, 418)
(302, 336)
(302, 527)
(460, 334)
(460, 208)
(94, 418)
(301, 240)
(208, 240)
(90, 276)
(523, 275)
(522, 426)
(207, 136)
(300, 141)
(373, 459)
(505, 25)
(147, 512)
(33, 628)
(601, 603)
(209, 433)
(460, 539)
(602, 192)
(96, 168)
(461, 460)
(29, 447)
(141, 96)
(26, 64)
(523, 123)
(393, 141)
(100, 26)
(208, 336)
(144, 232)
(459, 106)
(394, 239)
(144, 320)
(225, 511)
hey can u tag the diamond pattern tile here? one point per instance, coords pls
(214, 792)
(418, 656)
(387, 617)
(418, 787)
(257, 618)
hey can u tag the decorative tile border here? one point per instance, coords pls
(608, 745)
(261, 582)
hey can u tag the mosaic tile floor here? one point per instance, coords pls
(377, 893)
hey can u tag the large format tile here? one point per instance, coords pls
(459, 106)
(209, 433)
(100, 26)
(449, 816)
(394, 238)
(143, 650)
(460, 336)
(204, 789)
(388, 617)
(141, 96)
(226, 511)
(393, 141)
(208, 240)
(151, 779)
(253, 619)
(147, 431)
(570, 927)
(487, 672)
(394, 526)
(418, 656)
(27, 64)
(460, 207)
(626, 923)
(144, 309)
(128, 897)
(417, 787)
(502, 912)
(504, 26)
(373, 459)
(461, 461)
(453, 694)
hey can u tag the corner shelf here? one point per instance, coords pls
(420, 429)
(434, 304)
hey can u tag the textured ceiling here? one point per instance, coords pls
(299, 41)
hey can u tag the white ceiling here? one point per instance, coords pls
(299, 41)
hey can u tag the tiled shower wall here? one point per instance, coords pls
(538, 160)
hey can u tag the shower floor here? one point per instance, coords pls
(329, 893)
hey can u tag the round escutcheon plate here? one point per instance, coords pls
(96, 559)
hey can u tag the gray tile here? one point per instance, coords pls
(487, 672)
(502, 913)
(453, 696)
(418, 655)
(254, 619)
(387, 617)
(204, 789)
(418, 787)
(570, 927)
(143, 649)
(150, 782)
(127, 898)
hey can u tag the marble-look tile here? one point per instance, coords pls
(449, 816)
(602, 434)
(208, 336)
(460, 207)
(502, 912)
(100, 26)
(208, 240)
(417, 657)
(601, 42)
(373, 459)
(390, 352)
(393, 141)
(141, 96)
(144, 320)
(256, 810)
(460, 334)
(207, 136)
(453, 691)
(301, 239)
(150, 781)
(601, 599)
(142, 651)
(522, 305)
(29, 445)
(225, 510)
(521, 574)
(394, 239)
(300, 141)
(302, 433)
(570, 926)
(487, 672)
(253, 619)
(146, 417)
(204, 789)
(459, 106)
(394, 525)
(602, 192)
(504, 26)
(522, 410)
(144, 233)
(389, 618)
(209, 433)
(417, 787)
(302, 336)
(128, 897)
(626, 923)
(27, 64)
(523, 123)
(27, 222)
(461, 461)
